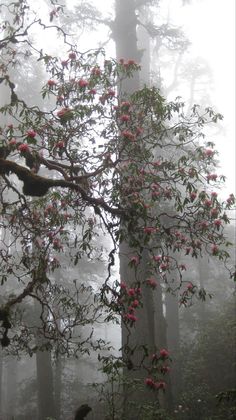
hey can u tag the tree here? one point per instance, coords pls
(98, 151)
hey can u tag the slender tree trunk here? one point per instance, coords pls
(149, 331)
(58, 385)
(45, 385)
(173, 341)
(44, 372)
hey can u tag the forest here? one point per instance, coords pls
(117, 231)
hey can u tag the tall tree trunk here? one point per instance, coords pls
(1, 382)
(173, 341)
(44, 372)
(11, 385)
(149, 331)
(45, 385)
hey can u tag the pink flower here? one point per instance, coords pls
(96, 71)
(125, 104)
(212, 177)
(214, 194)
(149, 382)
(203, 224)
(23, 147)
(207, 203)
(157, 258)
(188, 249)
(214, 213)
(149, 229)
(160, 385)
(217, 222)
(135, 303)
(128, 135)
(165, 369)
(83, 83)
(60, 144)
(72, 55)
(193, 195)
(124, 118)
(64, 63)
(12, 142)
(92, 91)
(134, 260)
(131, 292)
(123, 285)
(152, 283)
(214, 250)
(51, 83)
(111, 93)
(209, 152)
(131, 62)
(163, 266)
(31, 133)
(139, 130)
(164, 353)
(131, 317)
(190, 286)
(231, 199)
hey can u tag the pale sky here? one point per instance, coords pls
(210, 26)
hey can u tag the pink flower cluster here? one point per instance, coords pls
(158, 367)
(130, 300)
(155, 385)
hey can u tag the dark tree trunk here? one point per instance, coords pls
(150, 329)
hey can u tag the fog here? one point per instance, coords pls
(117, 203)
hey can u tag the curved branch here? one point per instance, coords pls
(38, 186)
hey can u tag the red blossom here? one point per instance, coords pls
(160, 385)
(164, 354)
(208, 152)
(135, 260)
(111, 93)
(23, 147)
(83, 83)
(157, 258)
(152, 283)
(64, 63)
(60, 144)
(165, 369)
(214, 213)
(128, 135)
(131, 292)
(92, 92)
(131, 317)
(31, 134)
(212, 177)
(51, 83)
(149, 229)
(207, 203)
(125, 104)
(96, 71)
(124, 118)
(72, 56)
(135, 303)
(214, 250)
(150, 382)
(193, 195)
